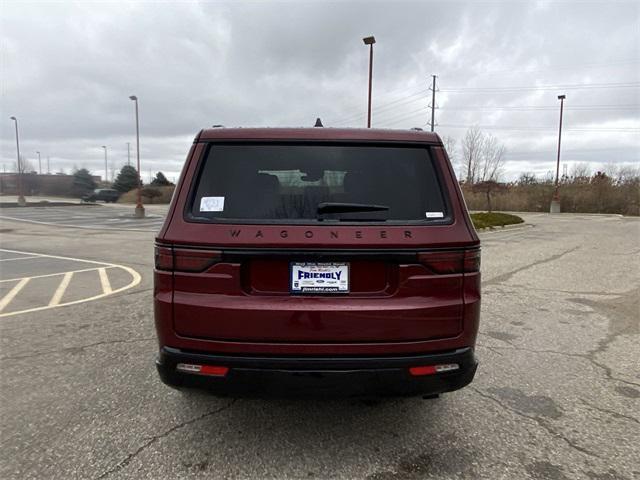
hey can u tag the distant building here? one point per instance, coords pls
(34, 184)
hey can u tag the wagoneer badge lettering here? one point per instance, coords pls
(332, 234)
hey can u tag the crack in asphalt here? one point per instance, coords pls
(506, 276)
(493, 349)
(540, 422)
(75, 349)
(612, 413)
(129, 458)
(584, 356)
(555, 290)
(612, 310)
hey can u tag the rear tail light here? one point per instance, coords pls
(433, 369)
(164, 258)
(184, 259)
(464, 261)
(472, 261)
(212, 370)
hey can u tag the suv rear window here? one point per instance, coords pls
(286, 184)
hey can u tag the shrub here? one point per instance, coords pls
(164, 196)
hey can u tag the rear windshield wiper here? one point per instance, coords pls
(339, 207)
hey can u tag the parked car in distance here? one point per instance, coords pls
(102, 194)
(316, 261)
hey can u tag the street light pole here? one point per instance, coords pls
(21, 201)
(128, 153)
(555, 201)
(370, 41)
(106, 170)
(139, 212)
(39, 164)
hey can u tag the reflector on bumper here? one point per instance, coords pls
(212, 370)
(431, 369)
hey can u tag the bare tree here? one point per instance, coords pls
(450, 147)
(25, 165)
(579, 170)
(472, 143)
(491, 162)
(627, 174)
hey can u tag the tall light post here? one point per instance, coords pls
(106, 170)
(555, 201)
(39, 164)
(139, 207)
(370, 41)
(21, 201)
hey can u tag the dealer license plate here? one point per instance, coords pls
(311, 277)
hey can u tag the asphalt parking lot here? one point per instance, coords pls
(107, 217)
(557, 394)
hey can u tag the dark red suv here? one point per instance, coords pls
(317, 260)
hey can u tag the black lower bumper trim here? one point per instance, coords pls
(313, 376)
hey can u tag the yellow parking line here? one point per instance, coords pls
(104, 280)
(55, 300)
(6, 300)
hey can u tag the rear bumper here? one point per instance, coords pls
(312, 376)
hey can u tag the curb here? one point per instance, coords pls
(45, 204)
(503, 228)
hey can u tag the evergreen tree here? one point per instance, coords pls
(127, 179)
(82, 182)
(160, 181)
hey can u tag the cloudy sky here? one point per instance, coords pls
(68, 68)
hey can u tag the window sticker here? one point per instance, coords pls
(434, 214)
(212, 204)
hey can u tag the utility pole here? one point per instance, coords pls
(128, 154)
(369, 41)
(106, 169)
(48, 166)
(39, 164)
(555, 200)
(139, 211)
(21, 200)
(433, 103)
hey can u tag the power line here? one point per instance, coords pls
(543, 107)
(403, 116)
(386, 107)
(574, 86)
(563, 67)
(395, 119)
(543, 128)
(574, 150)
(383, 107)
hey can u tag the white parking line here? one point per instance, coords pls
(56, 300)
(58, 273)
(57, 296)
(151, 226)
(104, 281)
(6, 300)
(59, 257)
(19, 258)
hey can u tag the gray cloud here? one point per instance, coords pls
(68, 69)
